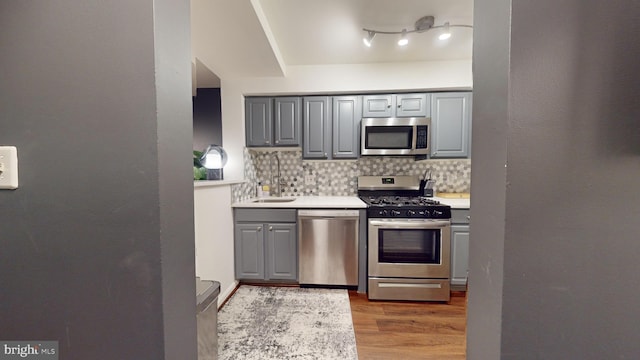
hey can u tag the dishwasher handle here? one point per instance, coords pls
(328, 214)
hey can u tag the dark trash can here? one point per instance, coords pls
(207, 292)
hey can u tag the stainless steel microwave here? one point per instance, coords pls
(395, 136)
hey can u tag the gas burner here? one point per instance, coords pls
(400, 201)
(398, 197)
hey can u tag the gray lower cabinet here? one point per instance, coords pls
(273, 121)
(331, 127)
(265, 247)
(459, 248)
(451, 125)
(282, 252)
(396, 105)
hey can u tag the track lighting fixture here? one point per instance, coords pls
(423, 24)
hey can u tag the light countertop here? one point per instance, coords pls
(309, 202)
(339, 202)
(454, 203)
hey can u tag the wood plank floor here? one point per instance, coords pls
(409, 330)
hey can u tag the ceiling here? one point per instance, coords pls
(254, 38)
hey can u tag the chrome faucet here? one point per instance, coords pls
(276, 190)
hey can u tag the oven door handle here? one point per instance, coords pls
(421, 224)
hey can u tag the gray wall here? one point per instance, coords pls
(565, 101)
(98, 239)
(207, 118)
(488, 177)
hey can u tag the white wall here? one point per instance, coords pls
(214, 236)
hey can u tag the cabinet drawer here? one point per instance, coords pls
(460, 216)
(265, 215)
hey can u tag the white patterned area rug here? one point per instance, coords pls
(286, 323)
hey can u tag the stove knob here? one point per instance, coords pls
(395, 213)
(425, 213)
(411, 213)
(383, 212)
(437, 212)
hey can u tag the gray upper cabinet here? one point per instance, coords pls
(259, 121)
(287, 121)
(400, 105)
(347, 112)
(331, 127)
(378, 106)
(273, 121)
(412, 105)
(451, 125)
(316, 142)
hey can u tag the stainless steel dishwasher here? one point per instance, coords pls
(328, 247)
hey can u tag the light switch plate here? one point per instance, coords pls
(9, 166)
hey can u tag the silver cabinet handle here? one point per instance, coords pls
(469, 217)
(325, 154)
(276, 141)
(266, 142)
(270, 228)
(259, 228)
(389, 106)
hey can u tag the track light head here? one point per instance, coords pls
(368, 39)
(403, 38)
(446, 33)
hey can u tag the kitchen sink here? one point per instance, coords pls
(273, 200)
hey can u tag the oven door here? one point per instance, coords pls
(409, 248)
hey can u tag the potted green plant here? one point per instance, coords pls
(199, 171)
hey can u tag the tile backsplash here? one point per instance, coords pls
(340, 177)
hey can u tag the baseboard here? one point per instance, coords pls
(226, 294)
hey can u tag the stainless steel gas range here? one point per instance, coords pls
(409, 241)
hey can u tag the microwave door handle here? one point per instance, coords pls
(429, 224)
(414, 144)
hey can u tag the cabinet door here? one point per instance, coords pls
(282, 252)
(459, 254)
(316, 143)
(378, 106)
(249, 251)
(287, 121)
(259, 117)
(347, 112)
(412, 105)
(450, 125)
